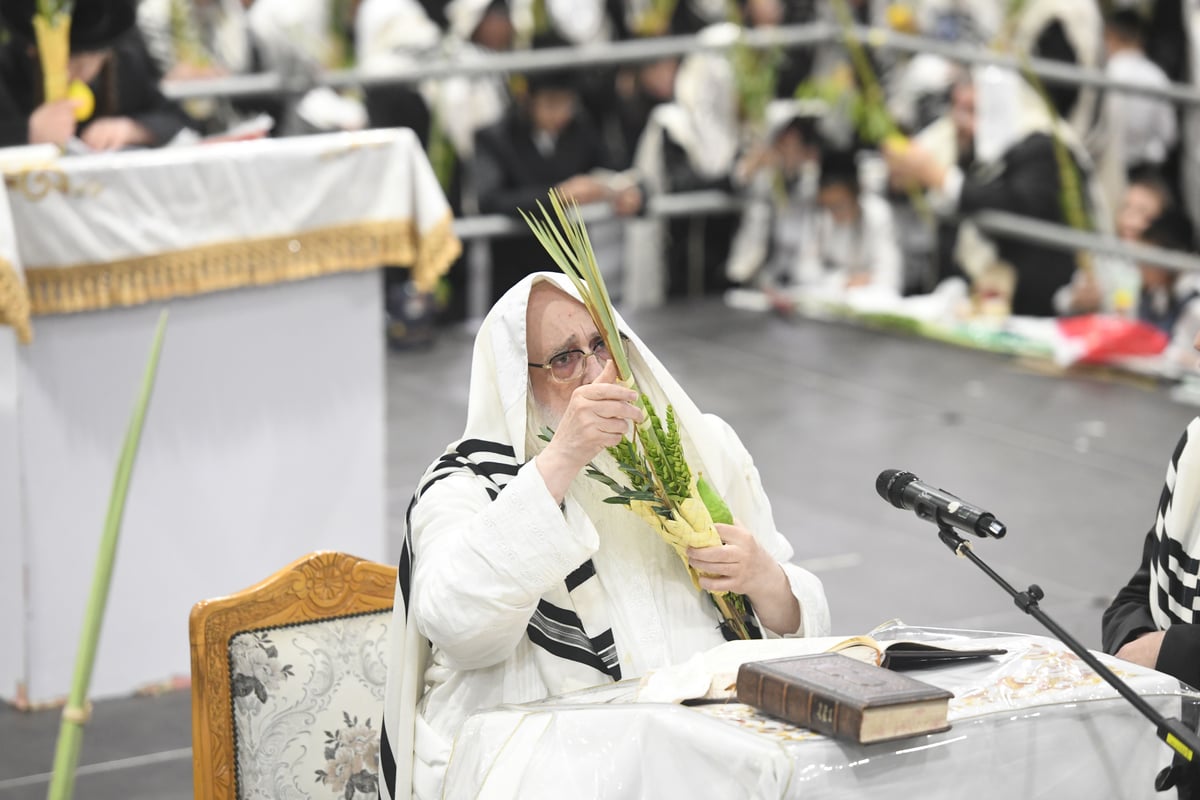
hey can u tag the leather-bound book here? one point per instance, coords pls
(844, 698)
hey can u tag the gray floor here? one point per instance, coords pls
(1072, 464)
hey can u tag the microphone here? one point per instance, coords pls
(905, 490)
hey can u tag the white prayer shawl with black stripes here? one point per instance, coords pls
(1176, 562)
(525, 598)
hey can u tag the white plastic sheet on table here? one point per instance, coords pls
(1036, 722)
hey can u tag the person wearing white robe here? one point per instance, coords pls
(523, 580)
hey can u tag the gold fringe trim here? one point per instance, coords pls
(251, 262)
(14, 302)
(438, 249)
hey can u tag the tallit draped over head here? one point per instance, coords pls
(568, 642)
(498, 398)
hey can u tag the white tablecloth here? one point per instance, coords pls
(265, 435)
(126, 228)
(1033, 723)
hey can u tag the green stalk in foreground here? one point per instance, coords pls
(675, 501)
(77, 712)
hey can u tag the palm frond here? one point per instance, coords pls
(564, 237)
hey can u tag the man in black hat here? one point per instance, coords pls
(547, 141)
(108, 57)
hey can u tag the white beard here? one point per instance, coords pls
(537, 418)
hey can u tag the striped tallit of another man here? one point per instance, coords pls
(1153, 619)
(518, 582)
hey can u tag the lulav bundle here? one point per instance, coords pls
(52, 29)
(675, 501)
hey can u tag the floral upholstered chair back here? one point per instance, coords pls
(288, 681)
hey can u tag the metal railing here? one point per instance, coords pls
(642, 50)
(682, 204)
(1001, 224)
(477, 230)
(1005, 224)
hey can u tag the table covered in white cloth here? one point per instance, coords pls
(265, 436)
(1036, 722)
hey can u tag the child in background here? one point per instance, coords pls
(1112, 286)
(779, 185)
(852, 242)
(1169, 299)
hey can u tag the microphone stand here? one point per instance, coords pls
(1173, 732)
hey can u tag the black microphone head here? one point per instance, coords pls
(881, 483)
(890, 484)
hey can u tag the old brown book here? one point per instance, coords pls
(842, 697)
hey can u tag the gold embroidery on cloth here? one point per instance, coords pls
(250, 262)
(35, 181)
(344, 150)
(14, 303)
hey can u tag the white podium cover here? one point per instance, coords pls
(1036, 722)
(120, 229)
(265, 435)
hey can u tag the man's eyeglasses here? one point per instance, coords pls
(568, 365)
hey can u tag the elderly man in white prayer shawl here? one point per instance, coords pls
(524, 581)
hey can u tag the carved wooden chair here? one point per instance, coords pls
(288, 682)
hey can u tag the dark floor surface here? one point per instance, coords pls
(1072, 464)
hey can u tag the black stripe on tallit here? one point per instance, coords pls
(1170, 548)
(450, 463)
(559, 632)
(566, 652)
(482, 467)
(492, 487)
(584, 571)
(564, 617)
(489, 470)
(1182, 594)
(1165, 607)
(387, 762)
(1187, 564)
(404, 570)
(606, 647)
(470, 447)
(1164, 500)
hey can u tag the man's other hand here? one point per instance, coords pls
(116, 133)
(739, 564)
(1144, 649)
(53, 123)
(584, 189)
(911, 164)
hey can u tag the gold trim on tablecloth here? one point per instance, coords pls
(248, 262)
(438, 249)
(14, 302)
